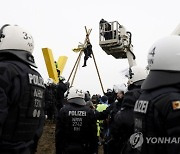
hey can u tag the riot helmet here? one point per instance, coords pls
(136, 75)
(49, 81)
(16, 38)
(163, 63)
(16, 41)
(76, 96)
(120, 88)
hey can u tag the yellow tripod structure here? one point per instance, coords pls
(75, 67)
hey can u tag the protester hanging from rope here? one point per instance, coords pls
(87, 52)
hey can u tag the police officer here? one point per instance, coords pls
(157, 111)
(111, 144)
(21, 93)
(120, 91)
(76, 130)
(108, 115)
(62, 87)
(107, 27)
(50, 100)
(123, 125)
(87, 96)
(111, 95)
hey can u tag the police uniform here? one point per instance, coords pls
(157, 111)
(123, 124)
(111, 96)
(21, 103)
(50, 102)
(61, 89)
(76, 130)
(156, 116)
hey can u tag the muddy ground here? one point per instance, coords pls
(47, 141)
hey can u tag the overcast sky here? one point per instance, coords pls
(59, 25)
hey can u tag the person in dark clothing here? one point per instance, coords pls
(21, 93)
(87, 96)
(50, 100)
(124, 118)
(95, 100)
(57, 69)
(111, 94)
(107, 28)
(76, 130)
(109, 114)
(90, 105)
(87, 53)
(114, 107)
(62, 87)
(158, 118)
(117, 104)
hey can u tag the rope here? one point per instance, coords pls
(96, 66)
(76, 67)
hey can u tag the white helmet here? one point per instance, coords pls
(16, 38)
(49, 81)
(165, 54)
(136, 73)
(120, 87)
(76, 96)
(163, 63)
(109, 90)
